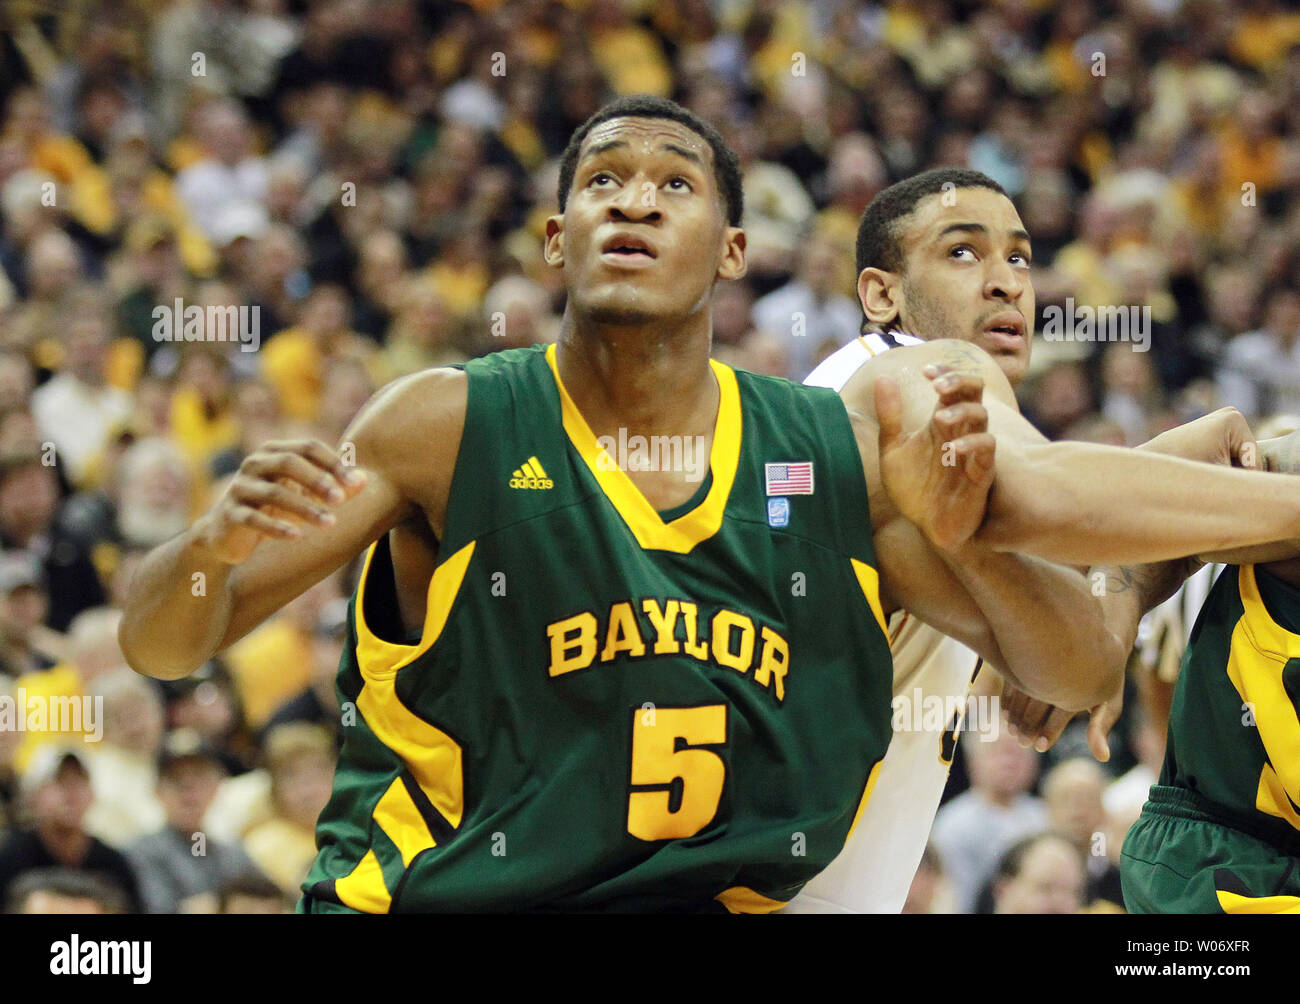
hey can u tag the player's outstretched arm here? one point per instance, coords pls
(294, 513)
(1281, 455)
(1010, 593)
(1085, 504)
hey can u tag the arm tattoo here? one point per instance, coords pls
(1121, 580)
(961, 357)
(1152, 584)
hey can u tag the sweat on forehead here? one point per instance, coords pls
(644, 126)
(645, 133)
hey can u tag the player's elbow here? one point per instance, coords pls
(1085, 672)
(147, 664)
(1093, 676)
(1100, 684)
(145, 656)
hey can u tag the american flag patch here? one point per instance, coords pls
(789, 479)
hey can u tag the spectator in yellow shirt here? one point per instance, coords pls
(203, 420)
(293, 361)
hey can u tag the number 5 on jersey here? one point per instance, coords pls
(676, 781)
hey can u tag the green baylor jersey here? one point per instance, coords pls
(1220, 832)
(1234, 736)
(609, 708)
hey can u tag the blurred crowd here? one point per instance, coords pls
(369, 179)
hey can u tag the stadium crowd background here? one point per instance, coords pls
(373, 176)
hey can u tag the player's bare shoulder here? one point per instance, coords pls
(906, 366)
(410, 434)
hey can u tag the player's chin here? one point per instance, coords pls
(622, 314)
(1014, 363)
(625, 306)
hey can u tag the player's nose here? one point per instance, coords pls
(1002, 282)
(636, 202)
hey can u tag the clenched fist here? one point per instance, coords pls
(280, 488)
(940, 475)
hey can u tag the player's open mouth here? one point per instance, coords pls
(627, 250)
(1006, 330)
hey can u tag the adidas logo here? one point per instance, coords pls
(531, 475)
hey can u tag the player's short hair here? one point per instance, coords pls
(878, 237)
(726, 167)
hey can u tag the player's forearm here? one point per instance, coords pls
(1056, 644)
(178, 609)
(1084, 504)
(1282, 456)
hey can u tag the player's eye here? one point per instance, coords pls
(599, 179)
(1020, 259)
(679, 185)
(962, 249)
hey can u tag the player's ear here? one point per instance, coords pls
(553, 248)
(732, 265)
(880, 294)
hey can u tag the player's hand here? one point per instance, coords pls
(1221, 437)
(939, 476)
(1035, 723)
(1101, 720)
(280, 489)
(1039, 725)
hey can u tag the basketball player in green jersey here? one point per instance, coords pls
(1220, 832)
(571, 686)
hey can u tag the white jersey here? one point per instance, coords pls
(874, 871)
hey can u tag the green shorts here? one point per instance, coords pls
(1187, 855)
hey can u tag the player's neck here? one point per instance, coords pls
(645, 378)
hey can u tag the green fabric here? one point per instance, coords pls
(1178, 855)
(1202, 831)
(547, 759)
(1213, 747)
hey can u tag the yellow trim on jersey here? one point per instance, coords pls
(377, 657)
(866, 797)
(364, 889)
(1271, 797)
(651, 532)
(1259, 652)
(433, 757)
(1231, 902)
(742, 899)
(397, 816)
(869, 582)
